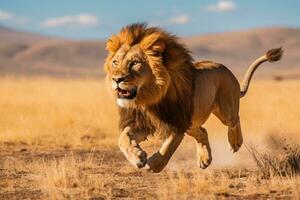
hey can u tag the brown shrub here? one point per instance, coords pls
(282, 158)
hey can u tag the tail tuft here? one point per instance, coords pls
(274, 55)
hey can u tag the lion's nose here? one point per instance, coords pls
(118, 79)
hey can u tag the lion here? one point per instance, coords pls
(159, 89)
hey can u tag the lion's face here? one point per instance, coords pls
(129, 76)
(135, 66)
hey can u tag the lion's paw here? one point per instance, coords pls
(156, 163)
(235, 138)
(234, 145)
(204, 156)
(136, 156)
(235, 142)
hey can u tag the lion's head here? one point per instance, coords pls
(139, 67)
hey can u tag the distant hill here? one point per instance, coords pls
(27, 54)
(9, 35)
(32, 54)
(238, 49)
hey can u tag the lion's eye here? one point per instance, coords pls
(114, 63)
(133, 63)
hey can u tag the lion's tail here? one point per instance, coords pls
(272, 55)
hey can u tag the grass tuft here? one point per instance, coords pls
(281, 159)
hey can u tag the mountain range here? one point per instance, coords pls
(28, 54)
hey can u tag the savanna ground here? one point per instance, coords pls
(58, 140)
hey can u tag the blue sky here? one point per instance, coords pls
(97, 19)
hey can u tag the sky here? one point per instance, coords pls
(98, 19)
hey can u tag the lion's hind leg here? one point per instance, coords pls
(227, 110)
(203, 147)
(235, 137)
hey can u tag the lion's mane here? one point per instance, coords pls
(172, 90)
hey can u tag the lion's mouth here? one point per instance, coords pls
(126, 93)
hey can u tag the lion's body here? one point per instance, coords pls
(221, 91)
(159, 89)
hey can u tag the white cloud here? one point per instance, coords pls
(71, 20)
(180, 19)
(12, 18)
(222, 6)
(4, 15)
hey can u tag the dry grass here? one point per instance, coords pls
(58, 112)
(50, 110)
(277, 176)
(49, 126)
(228, 183)
(59, 176)
(65, 178)
(282, 158)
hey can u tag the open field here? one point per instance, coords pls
(58, 140)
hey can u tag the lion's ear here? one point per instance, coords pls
(153, 44)
(113, 44)
(158, 47)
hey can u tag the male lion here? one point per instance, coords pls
(159, 89)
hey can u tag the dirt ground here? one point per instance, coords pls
(105, 174)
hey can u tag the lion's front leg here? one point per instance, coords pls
(160, 159)
(129, 144)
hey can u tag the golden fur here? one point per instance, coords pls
(173, 95)
(173, 77)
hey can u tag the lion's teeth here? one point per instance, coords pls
(124, 92)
